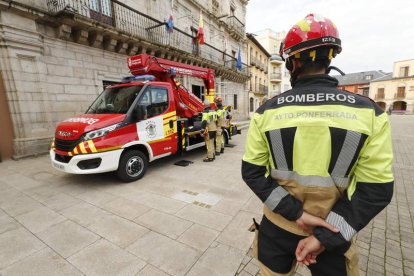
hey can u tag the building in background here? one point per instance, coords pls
(258, 58)
(56, 56)
(279, 77)
(395, 90)
(358, 82)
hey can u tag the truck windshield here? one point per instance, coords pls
(114, 100)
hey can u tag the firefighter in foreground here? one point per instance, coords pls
(221, 116)
(319, 158)
(209, 128)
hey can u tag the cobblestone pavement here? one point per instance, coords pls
(385, 244)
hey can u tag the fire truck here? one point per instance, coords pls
(149, 115)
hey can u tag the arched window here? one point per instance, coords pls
(251, 105)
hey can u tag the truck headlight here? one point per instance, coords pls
(100, 132)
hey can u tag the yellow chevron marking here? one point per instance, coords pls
(169, 114)
(75, 151)
(92, 146)
(82, 148)
(70, 154)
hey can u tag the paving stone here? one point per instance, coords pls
(103, 258)
(163, 223)
(251, 268)
(20, 205)
(7, 223)
(199, 237)
(206, 217)
(125, 208)
(21, 182)
(96, 197)
(41, 193)
(44, 262)
(150, 270)
(67, 238)
(8, 195)
(84, 213)
(164, 253)
(16, 245)
(228, 206)
(221, 260)
(158, 202)
(40, 219)
(236, 234)
(60, 201)
(118, 230)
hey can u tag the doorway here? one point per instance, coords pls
(6, 126)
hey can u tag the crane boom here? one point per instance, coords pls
(188, 105)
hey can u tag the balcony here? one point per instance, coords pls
(273, 93)
(399, 96)
(253, 60)
(235, 27)
(276, 59)
(275, 77)
(261, 90)
(116, 27)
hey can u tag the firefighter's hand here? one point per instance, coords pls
(308, 249)
(307, 222)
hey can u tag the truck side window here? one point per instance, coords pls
(159, 101)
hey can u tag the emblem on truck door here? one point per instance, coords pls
(151, 129)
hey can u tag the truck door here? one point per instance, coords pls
(159, 127)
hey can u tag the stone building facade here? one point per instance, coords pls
(396, 90)
(258, 58)
(279, 77)
(56, 56)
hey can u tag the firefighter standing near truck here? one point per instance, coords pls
(319, 158)
(209, 128)
(221, 116)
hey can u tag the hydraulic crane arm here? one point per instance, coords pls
(188, 105)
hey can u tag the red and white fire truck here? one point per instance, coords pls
(147, 116)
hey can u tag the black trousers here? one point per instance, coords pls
(276, 250)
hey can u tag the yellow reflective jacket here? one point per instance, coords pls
(209, 120)
(323, 150)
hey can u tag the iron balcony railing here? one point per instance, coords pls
(235, 24)
(143, 27)
(274, 76)
(274, 92)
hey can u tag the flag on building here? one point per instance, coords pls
(200, 33)
(170, 24)
(239, 61)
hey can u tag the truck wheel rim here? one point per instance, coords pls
(135, 166)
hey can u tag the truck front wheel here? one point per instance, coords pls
(132, 165)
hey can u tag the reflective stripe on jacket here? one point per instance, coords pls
(209, 120)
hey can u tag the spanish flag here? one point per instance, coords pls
(200, 33)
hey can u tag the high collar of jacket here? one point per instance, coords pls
(316, 80)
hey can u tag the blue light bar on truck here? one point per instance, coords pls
(138, 78)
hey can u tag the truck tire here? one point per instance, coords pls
(132, 165)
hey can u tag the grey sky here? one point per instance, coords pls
(374, 34)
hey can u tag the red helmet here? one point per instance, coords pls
(218, 99)
(310, 32)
